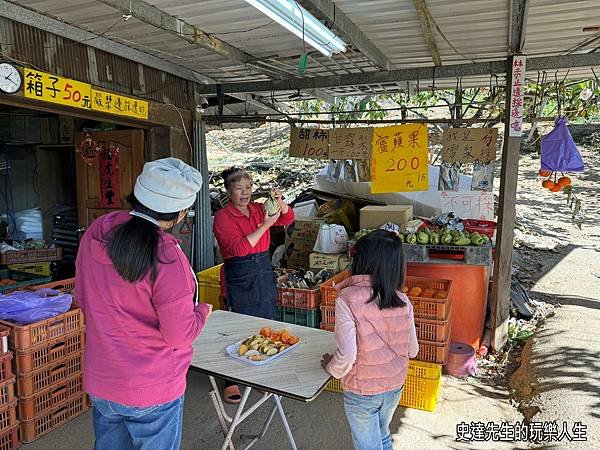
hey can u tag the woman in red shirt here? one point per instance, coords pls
(242, 231)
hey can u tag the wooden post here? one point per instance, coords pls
(506, 221)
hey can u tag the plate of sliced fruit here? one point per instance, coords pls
(263, 347)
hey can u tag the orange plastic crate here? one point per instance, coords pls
(327, 327)
(66, 285)
(49, 352)
(6, 372)
(7, 392)
(297, 298)
(9, 440)
(55, 395)
(434, 352)
(328, 290)
(35, 382)
(430, 308)
(8, 417)
(31, 256)
(328, 315)
(24, 337)
(433, 330)
(44, 424)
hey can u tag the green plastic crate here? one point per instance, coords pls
(297, 316)
(22, 279)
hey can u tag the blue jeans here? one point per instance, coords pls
(369, 417)
(120, 427)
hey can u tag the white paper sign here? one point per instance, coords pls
(517, 90)
(468, 204)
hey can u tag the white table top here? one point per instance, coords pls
(297, 375)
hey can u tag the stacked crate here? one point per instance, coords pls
(48, 364)
(328, 296)
(432, 324)
(9, 426)
(432, 318)
(297, 306)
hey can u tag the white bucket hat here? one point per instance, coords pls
(167, 185)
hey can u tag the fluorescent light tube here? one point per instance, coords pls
(291, 15)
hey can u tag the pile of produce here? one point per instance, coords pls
(266, 344)
(445, 236)
(558, 184)
(302, 279)
(424, 292)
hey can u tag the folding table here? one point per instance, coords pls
(297, 375)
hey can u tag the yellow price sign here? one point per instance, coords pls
(54, 89)
(399, 159)
(119, 104)
(76, 94)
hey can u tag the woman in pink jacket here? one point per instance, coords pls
(375, 334)
(137, 290)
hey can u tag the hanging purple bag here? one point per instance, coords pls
(559, 152)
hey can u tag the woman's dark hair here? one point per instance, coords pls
(133, 246)
(381, 255)
(234, 174)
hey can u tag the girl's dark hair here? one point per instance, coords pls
(133, 246)
(381, 255)
(234, 174)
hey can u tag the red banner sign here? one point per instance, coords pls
(110, 187)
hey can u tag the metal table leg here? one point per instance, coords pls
(277, 399)
(241, 415)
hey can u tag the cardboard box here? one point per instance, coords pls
(296, 259)
(374, 216)
(304, 229)
(301, 245)
(337, 263)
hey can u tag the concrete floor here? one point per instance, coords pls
(565, 365)
(321, 424)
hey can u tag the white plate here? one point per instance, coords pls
(234, 351)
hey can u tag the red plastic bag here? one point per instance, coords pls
(559, 152)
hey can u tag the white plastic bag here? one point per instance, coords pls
(332, 239)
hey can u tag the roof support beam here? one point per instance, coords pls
(156, 17)
(34, 19)
(348, 30)
(517, 23)
(151, 15)
(395, 76)
(427, 28)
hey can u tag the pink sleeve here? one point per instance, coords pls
(345, 336)
(180, 322)
(287, 218)
(414, 344)
(230, 237)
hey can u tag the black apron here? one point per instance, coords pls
(251, 285)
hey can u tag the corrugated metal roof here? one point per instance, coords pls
(470, 31)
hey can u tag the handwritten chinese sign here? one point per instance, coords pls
(309, 143)
(350, 143)
(119, 104)
(76, 94)
(468, 204)
(517, 94)
(467, 145)
(110, 187)
(399, 159)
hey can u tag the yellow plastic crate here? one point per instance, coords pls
(422, 385)
(40, 268)
(209, 285)
(421, 388)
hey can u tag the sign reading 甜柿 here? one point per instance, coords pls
(51, 88)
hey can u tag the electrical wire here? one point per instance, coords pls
(242, 31)
(183, 125)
